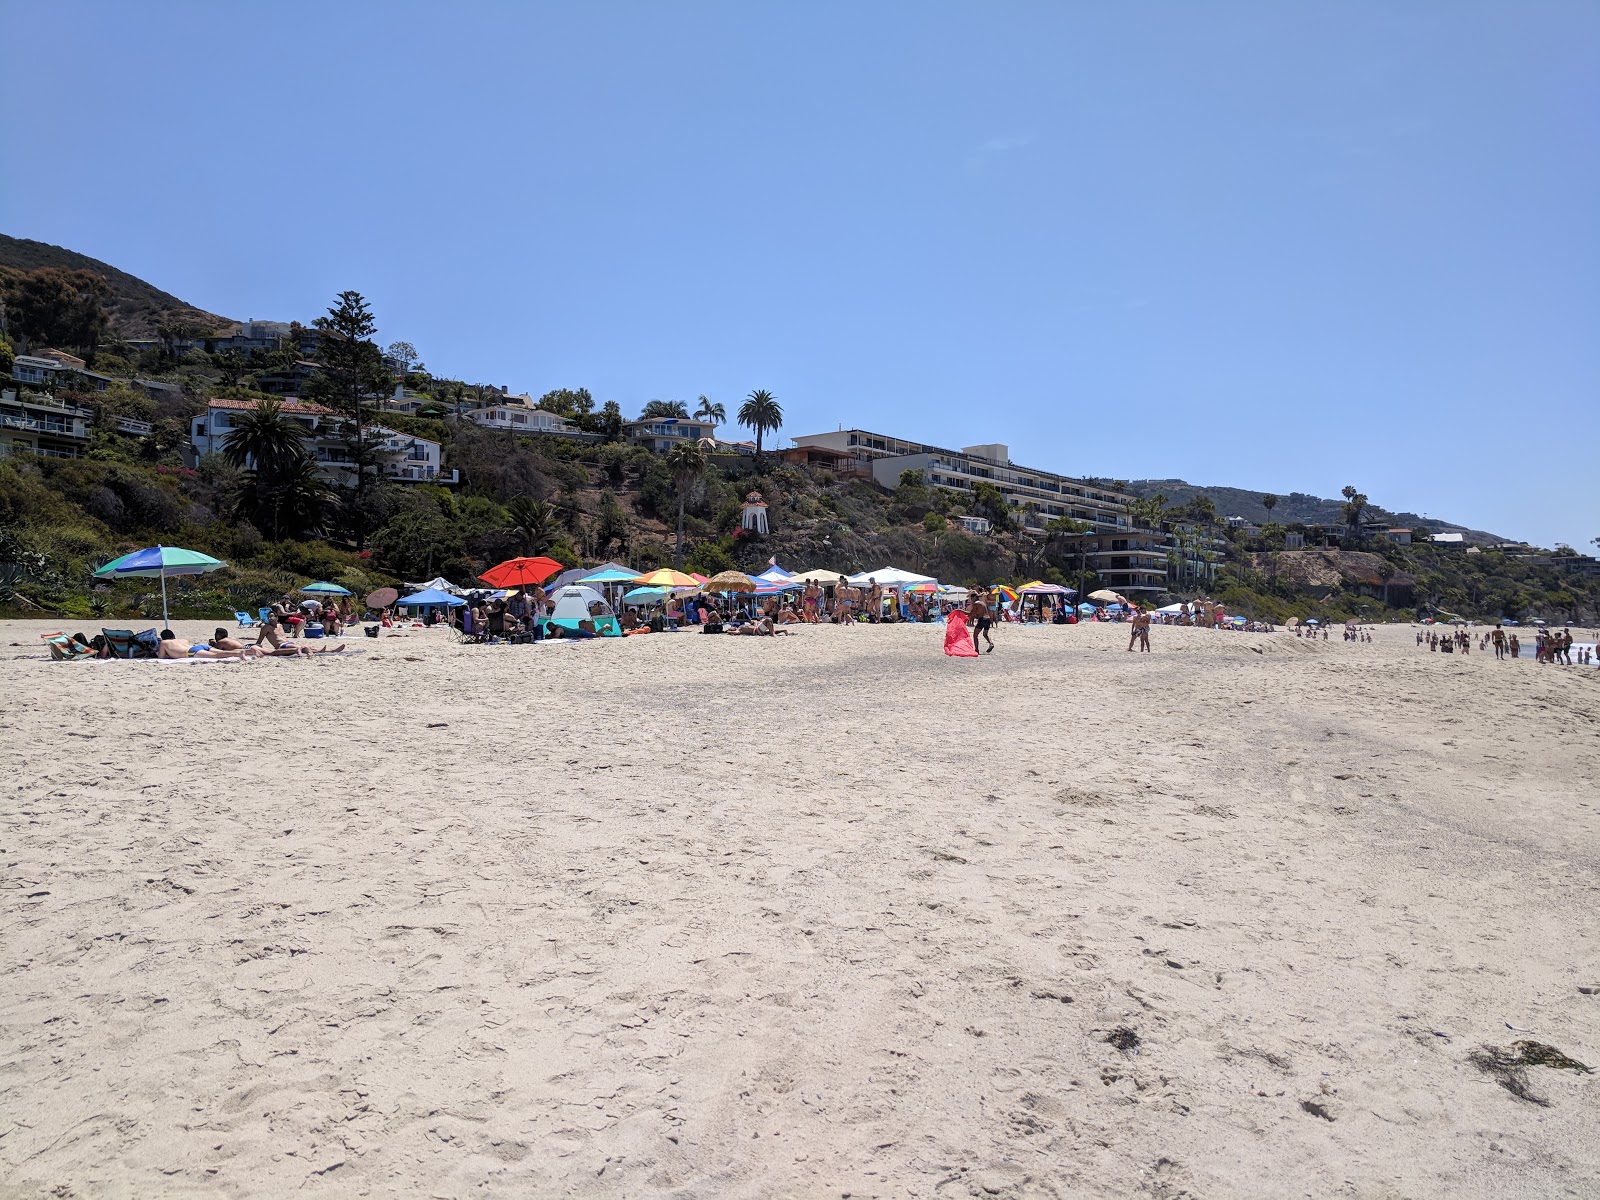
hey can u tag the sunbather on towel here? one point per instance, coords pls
(173, 646)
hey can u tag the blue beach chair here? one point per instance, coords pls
(245, 620)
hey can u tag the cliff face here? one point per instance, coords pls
(1320, 572)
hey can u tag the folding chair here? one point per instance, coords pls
(120, 642)
(64, 648)
(245, 620)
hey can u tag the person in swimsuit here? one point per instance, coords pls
(978, 611)
(173, 646)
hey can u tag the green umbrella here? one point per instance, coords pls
(157, 562)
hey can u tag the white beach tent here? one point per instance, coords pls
(572, 603)
(891, 577)
(1175, 610)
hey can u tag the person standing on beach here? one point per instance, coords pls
(978, 611)
(1141, 631)
(1498, 637)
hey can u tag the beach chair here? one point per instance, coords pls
(64, 649)
(245, 619)
(265, 614)
(124, 643)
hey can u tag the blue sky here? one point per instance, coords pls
(1275, 246)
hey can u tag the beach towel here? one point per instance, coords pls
(957, 641)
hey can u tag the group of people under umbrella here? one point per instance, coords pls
(536, 595)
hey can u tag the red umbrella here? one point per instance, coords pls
(521, 572)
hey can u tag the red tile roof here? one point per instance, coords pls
(288, 406)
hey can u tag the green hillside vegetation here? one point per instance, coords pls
(263, 507)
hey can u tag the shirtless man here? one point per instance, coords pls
(978, 612)
(173, 646)
(272, 634)
(1140, 633)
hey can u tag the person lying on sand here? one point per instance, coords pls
(173, 646)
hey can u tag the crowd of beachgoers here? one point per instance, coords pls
(1555, 646)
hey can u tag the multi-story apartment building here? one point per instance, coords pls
(31, 423)
(1039, 496)
(400, 457)
(1145, 560)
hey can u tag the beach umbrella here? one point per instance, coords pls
(923, 589)
(1085, 610)
(775, 574)
(608, 575)
(520, 572)
(326, 589)
(1038, 588)
(646, 595)
(439, 584)
(666, 577)
(820, 575)
(1105, 596)
(157, 562)
(730, 581)
(1005, 593)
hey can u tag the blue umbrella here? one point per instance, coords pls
(644, 595)
(157, 562)
(326, 589)
(609, 575)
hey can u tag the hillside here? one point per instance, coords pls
(135, 307)
(1292, 507)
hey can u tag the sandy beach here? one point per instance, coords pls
(825, 915)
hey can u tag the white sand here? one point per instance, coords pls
(814, 916)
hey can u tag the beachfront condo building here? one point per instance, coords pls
(398, 457)
(1039, 496)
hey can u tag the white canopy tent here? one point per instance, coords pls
(891, 577)
(439, 584)
(819, 575)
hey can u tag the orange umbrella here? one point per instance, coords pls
(520, 572)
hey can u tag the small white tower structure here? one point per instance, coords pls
(754, 516)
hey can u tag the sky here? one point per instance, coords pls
(1284, 247)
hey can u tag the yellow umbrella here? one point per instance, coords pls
(666, 577)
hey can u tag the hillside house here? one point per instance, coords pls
(35, 424)
(661, 434)
(401, 457)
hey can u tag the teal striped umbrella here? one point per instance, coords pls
(157, 562)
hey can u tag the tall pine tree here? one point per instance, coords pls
(352, 377)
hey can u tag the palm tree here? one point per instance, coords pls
(533, 523)
(263, 438)
(1354, 508)
(1269, 502)
(687, 464)
(708, 411)
(761, 413)
(291, 500)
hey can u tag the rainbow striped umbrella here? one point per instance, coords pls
(1006, 593)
